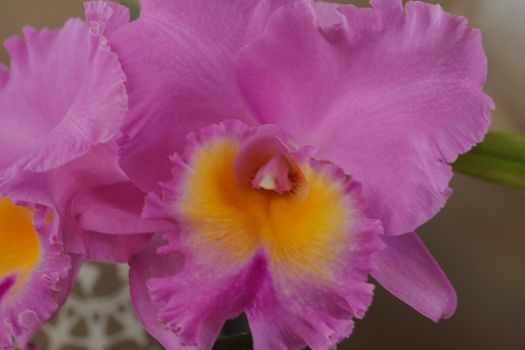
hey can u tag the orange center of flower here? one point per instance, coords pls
(19, 245)
(301, 231)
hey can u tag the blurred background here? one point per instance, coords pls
(479, 238)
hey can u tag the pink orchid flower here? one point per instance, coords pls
(345, 121)
(290, 148)
(62, 103)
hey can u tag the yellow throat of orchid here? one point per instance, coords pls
(300, 231)
(19, 244)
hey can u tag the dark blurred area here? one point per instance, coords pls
(479, 238)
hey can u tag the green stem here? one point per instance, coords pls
(500, 158)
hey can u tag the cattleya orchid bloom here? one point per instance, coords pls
(62, 103)
(290, 148)
(309, 124)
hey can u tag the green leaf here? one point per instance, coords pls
(500, 158)
(242, 341)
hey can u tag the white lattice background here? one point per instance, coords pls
(97, 315)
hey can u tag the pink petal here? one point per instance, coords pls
(102, 247)
(390, 97)
(115, 209)
(291, 314)
(407, 270)
(106, 16)
(148, 264)
(75, 187)
(59, 186)
(4, 75)
(44, 289)
(178, 57)
(327, 14)
(64, 94)
(192, 300)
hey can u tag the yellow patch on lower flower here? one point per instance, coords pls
(302, 232)
(19, 244)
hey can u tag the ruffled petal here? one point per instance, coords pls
(327, 14)
(105, 16)
(178, 57)
(407, 269)
(296, 261)
(35, 275)
(288, 313)
(390, 96)
(64, 94)
(191, 299)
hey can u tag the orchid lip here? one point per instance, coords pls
(276, 227)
